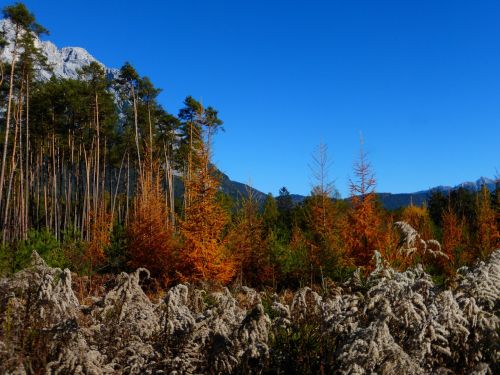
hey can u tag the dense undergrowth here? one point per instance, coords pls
(387, 322)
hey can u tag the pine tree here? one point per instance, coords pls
(25, 26)
(284, 204)
(129, 84)
(270, 213)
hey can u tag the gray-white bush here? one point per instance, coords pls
(391, 322)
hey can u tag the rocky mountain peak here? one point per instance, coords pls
(65, 62)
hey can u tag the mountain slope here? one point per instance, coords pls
(392, 201)
(64, 62)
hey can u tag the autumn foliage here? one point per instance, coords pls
(453, 232)
(363, 233)
(151, 241)
(487, 234)
(418, 218)
(246, 242)
(203, 255)
(100, 231)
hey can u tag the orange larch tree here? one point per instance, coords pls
(151, 240)
(320, 213)
(487, 234)
(453, 234)
(247, 243)
(203, 255)
(100, 237)
(418, 218)
(364, 232)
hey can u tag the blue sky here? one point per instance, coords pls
(420, 80)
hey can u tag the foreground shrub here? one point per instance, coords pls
(388, 322)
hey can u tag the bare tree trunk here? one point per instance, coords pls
(13, 165)
(87, 196)
(136, 123)
(9, 108)
(150, 139)
(128, 189)
(97, 164)
(117, 187)
(27, 145)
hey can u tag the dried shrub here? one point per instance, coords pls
(388, 322)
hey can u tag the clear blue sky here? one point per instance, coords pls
(420, 79)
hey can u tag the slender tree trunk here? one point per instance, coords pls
(150, 139)
(9, 108)
(97, 162)
(117, 187)
(13, 165)
(27, 146)
(128, 189)
(136, 123)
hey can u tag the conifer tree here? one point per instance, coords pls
(129, 80)
(204, 218)
(453, 233)
(246, 242)
(418, 218)
(487, 235)
(363, 234)
(270, 213)
(24, 22)
(320, 216)
(203, 256)
(151, 241)
(284, 204)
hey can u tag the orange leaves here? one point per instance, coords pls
(364, 232)
(100, 231)
(248, 247)
(453, 232)
(202, 256)
(323, 224)
(487, 236)
(151, 241)
(418, 218)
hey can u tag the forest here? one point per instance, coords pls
(99, 179)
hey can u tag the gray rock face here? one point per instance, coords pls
(64, 62)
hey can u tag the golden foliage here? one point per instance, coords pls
(453, 232)
(364, 232)
(247, 244)
(323, 224)
(487, 236)
(152, 243)
(202, 256)
(418, 218)
(100, 233)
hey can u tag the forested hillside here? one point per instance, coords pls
(125, 250)
(98, 177)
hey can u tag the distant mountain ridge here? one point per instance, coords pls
(394, 201)
(390, 201)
